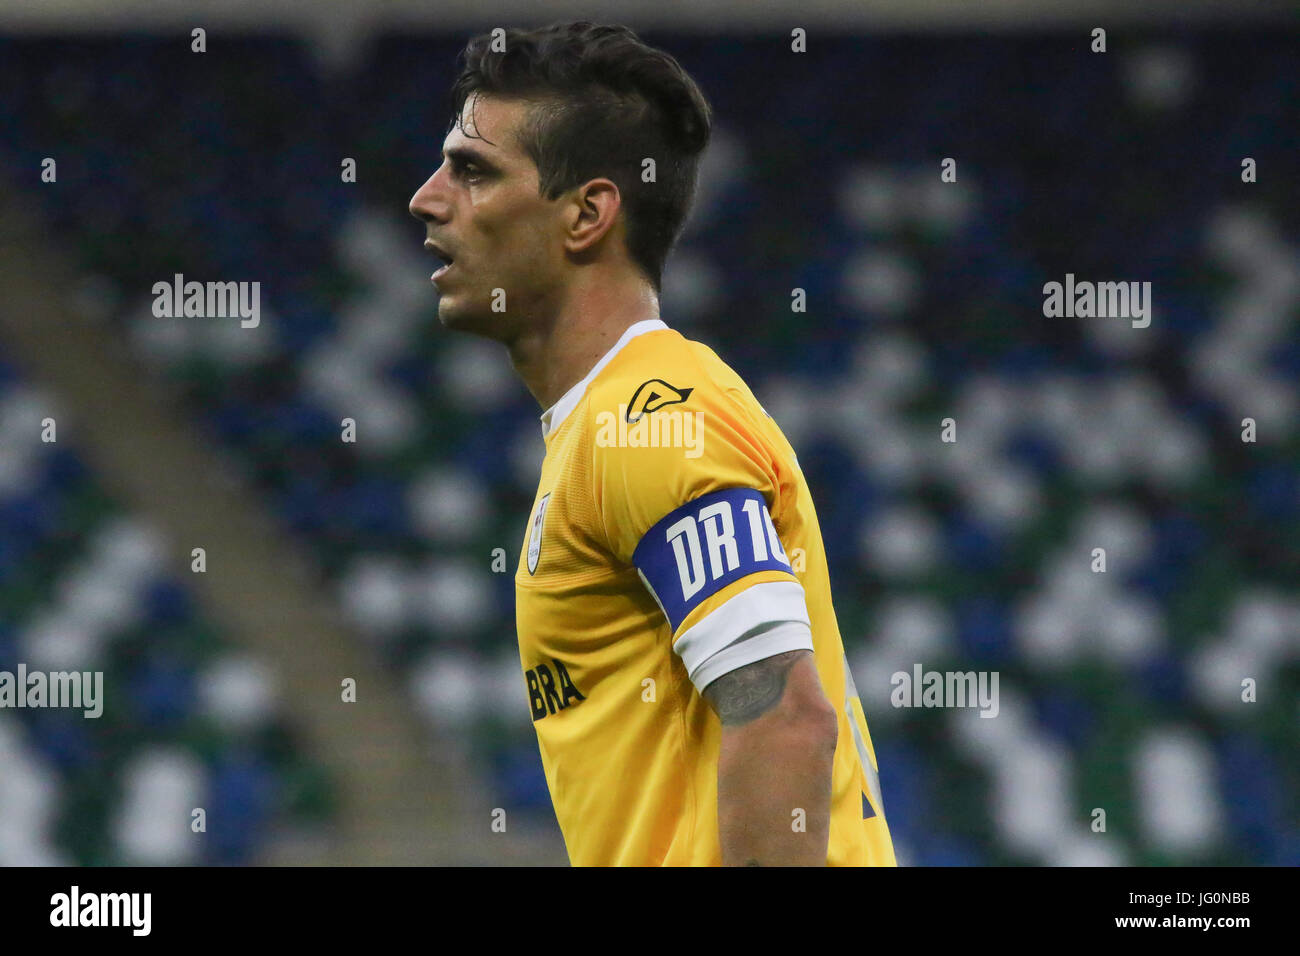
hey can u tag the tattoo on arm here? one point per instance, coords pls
(751, 691)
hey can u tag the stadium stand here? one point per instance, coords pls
(187, 720)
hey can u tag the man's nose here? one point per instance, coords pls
(428, 204)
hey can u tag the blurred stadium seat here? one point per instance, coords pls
(187, 720)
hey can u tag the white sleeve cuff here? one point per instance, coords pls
(760, 622)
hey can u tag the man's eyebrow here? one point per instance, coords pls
(467, 154)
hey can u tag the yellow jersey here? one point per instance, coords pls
(673, 539)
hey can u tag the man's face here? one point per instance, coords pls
(482, 209)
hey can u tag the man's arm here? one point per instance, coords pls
(778, 746)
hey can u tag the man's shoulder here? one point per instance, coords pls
(664, 370)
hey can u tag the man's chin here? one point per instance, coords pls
(458, 320)
(450, 316)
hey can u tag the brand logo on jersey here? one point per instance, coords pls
(653, 395)
(535, 533)
(547, 692)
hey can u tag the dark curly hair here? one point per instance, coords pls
(602, 101)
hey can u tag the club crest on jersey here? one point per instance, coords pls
(535, 533)
(653, 395)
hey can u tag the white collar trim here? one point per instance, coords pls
(557, 413)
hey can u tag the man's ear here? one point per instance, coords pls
(594, 211)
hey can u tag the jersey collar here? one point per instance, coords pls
(557, 413)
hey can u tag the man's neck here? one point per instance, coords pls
(552, 358)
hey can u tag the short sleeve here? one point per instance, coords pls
(686, 494)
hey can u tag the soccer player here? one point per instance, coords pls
(689, 689)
